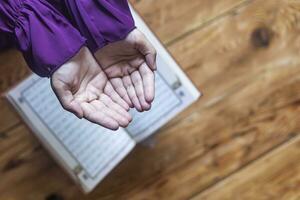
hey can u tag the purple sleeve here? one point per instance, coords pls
(101, 21)
(46, 39)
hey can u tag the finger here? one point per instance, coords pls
(98, 117)
(131, 92)
(151, 61)
(148, 82)
(109, 90)
(101, 107)
(147, 49)
(66, 98)
(120, 89)
(139, 89)
(114, 106)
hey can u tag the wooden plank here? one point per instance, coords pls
(274, 176)
(8, 117)
(173, 19)
(240, 61)
(27, 171)
(238, 47)
(13, 69)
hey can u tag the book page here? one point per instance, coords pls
(96, 150)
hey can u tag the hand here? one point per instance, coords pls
(129, 64)
(83, 89)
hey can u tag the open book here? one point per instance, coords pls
(88, 152)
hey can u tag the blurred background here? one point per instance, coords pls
(240, 141)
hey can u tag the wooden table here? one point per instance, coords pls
(241, 141)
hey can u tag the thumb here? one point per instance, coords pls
(66, 98)
(146, 49)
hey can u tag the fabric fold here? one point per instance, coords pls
(101, 21)
(45, 37)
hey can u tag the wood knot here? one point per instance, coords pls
(54, 196)
(261, 37)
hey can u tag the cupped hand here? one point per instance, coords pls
(130, 66)
(83, 89)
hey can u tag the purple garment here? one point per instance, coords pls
(43, 31)
(101, 21)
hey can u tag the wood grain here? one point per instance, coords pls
(27, 171)
(9, 119)
(13, 69)
(172, 20)
(275, 176)
(245, 60)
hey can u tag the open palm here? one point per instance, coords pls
(129, 64)
(83, 89)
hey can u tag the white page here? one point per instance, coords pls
(91, 147)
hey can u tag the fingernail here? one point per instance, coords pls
(151, 62)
